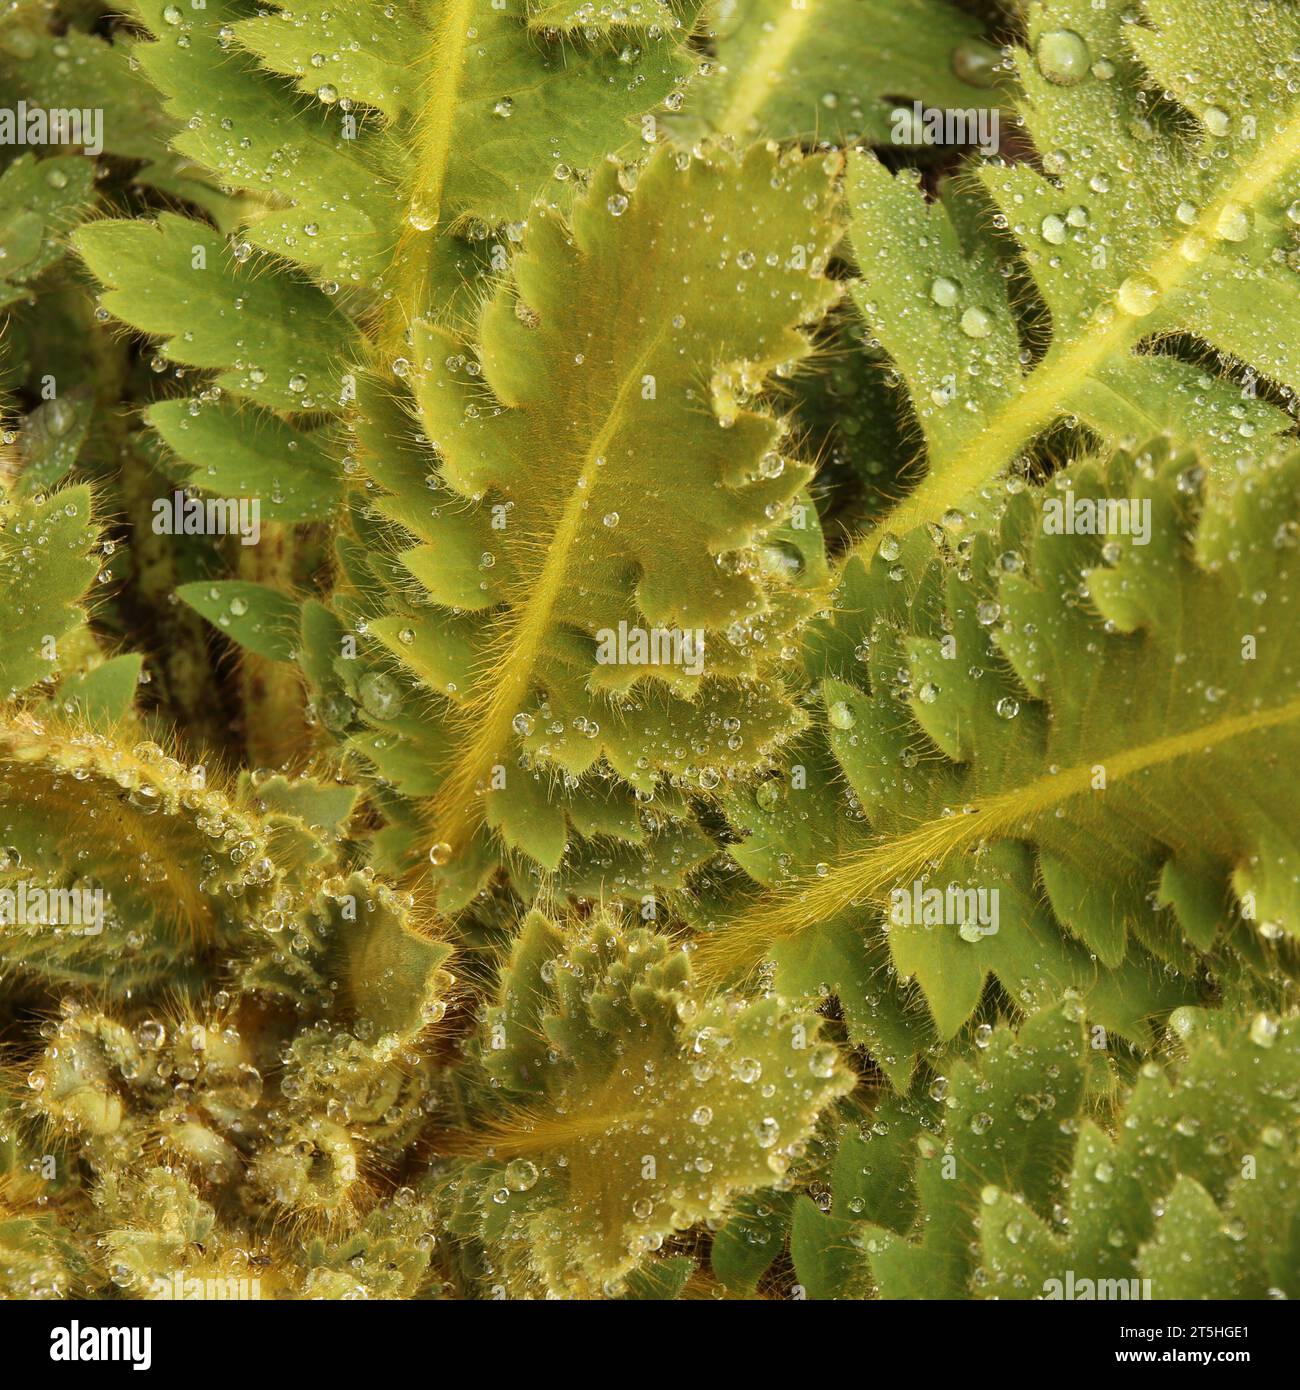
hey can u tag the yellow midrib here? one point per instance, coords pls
(955, 474)
(606, 1106)
(753, 85)
(457, 807)
(870, 872)
(37, 771)
(444, 62)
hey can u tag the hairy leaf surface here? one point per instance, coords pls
(1148, 218)
(1194, 1188)
(1044, 718)
(642, 1106)
(836, 70)
(610, 379)
(45, 569)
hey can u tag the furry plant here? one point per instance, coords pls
(649, 650)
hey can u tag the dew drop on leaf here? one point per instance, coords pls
(1063, 57)
(944, 292)
(841, 715)
(1138, 295)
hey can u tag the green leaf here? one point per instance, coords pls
(1046, 727)
(835, 70)
(1194, 1196)
(392, 975)
(319, 805)
(166, 898)
(661, 1280)
(464, 75)
(750, 1240)
(104, 694)
(827, 1264)
(272, 339)
(245, 452)
(45, 570)
(52, 438)
(1146, 224)
(622, 345)
(639, 1106)
(796, 816)
(257, 617)
(568, 16)
(73, 70)
(1003, 1126)
(40, 201)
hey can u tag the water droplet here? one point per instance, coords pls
(59, 417)
(976, 323)
(769, 794)
(1233, 223)
(1063, 57)
(1054, 230)
(381, 696)
(824, 1061)
(976, 62)
(841, 716)
(1138, 295)
(771, 465)
(521, 1175)
(1263, 1030)
(767, 1131)
(1194, 248)
(422, 213)
(944, 292)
